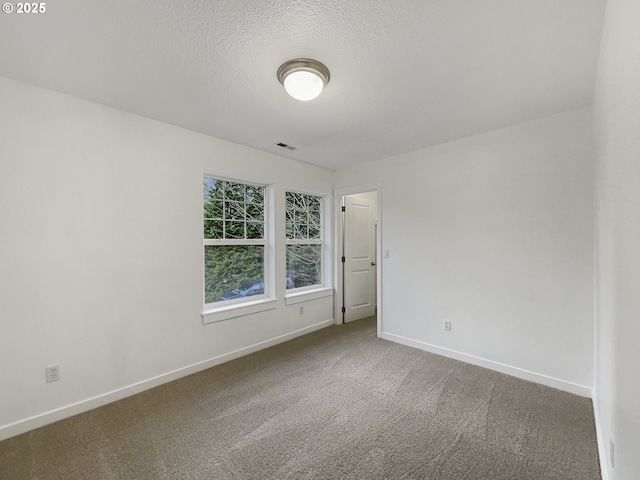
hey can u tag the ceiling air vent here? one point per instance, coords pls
(284, 145)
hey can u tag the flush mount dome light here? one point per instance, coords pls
(303, 78)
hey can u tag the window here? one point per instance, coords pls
(234, 241)
(304, 240)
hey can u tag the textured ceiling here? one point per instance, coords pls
(405, 74)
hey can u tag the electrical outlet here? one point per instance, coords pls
(446, 325)
(612, 451)
(52, 373)
(386, 254)
(300, 310)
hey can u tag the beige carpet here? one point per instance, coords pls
(338, 403)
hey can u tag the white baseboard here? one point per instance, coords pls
(563, 385)
(604, 465)
(51, 416)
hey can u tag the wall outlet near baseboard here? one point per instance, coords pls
(446, 325)
(52, 373)
(300, 310)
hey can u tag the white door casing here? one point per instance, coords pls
(360, 258)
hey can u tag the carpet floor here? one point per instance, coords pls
(338, 403)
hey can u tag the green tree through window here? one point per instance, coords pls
(234, 243)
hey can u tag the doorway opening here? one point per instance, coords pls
(358, 259)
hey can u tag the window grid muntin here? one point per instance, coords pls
(303, 216)
(236, 208)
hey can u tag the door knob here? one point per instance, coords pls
(373, 264)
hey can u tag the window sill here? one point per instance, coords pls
(306, 295)
(227, 312)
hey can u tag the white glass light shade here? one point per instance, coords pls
(303, 85)
(303, 78)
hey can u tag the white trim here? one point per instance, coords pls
(306, 295)
(225, 177)
(226, 312)
(338, 193)
(362, 188)
(602, 450)
(304, 191)
(552, 382)
(233, 241)
(304, 241)
(51, 416)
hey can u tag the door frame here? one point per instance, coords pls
(338, 193)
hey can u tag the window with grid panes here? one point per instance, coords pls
(234, 241)
(304, 240)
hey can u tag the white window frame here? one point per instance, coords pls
(322, 289)
(226, 309)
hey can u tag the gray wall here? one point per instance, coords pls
(101, 234)
(493, 232)
(617, 135)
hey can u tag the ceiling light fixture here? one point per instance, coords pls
(303, 78)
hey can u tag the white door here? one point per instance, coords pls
(360, 258)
